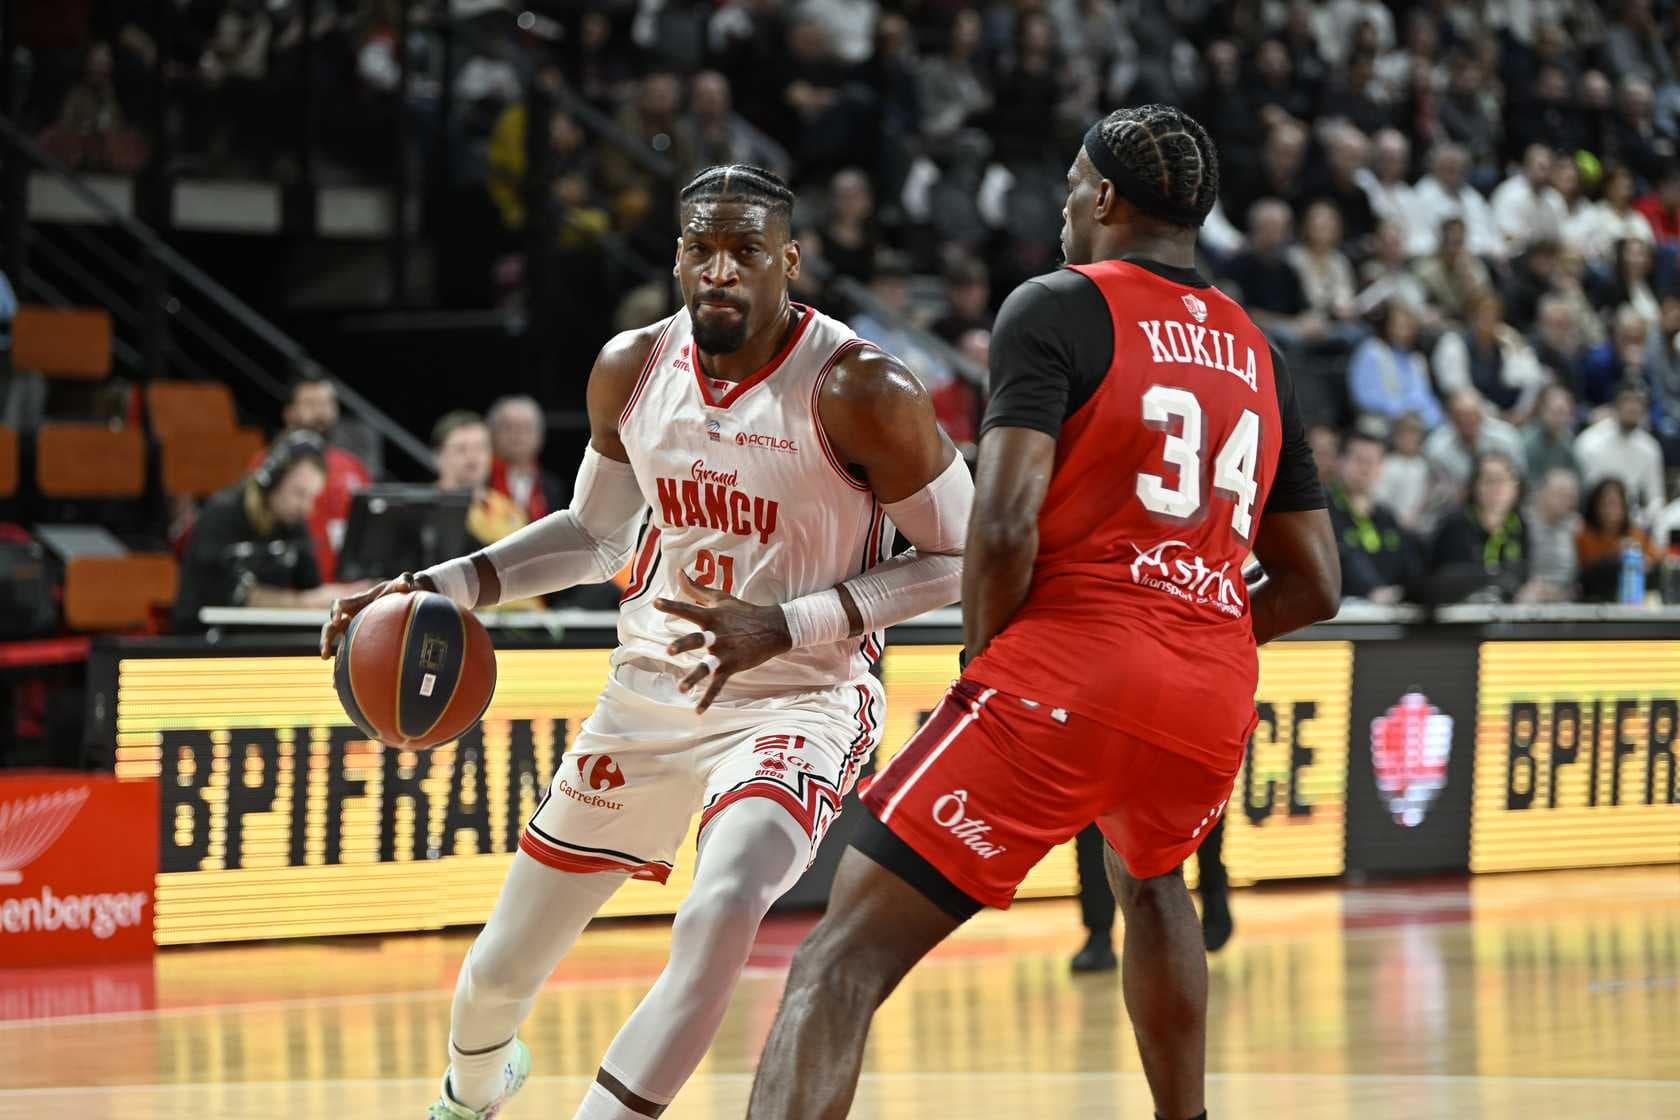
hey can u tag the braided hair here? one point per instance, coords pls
(741, 182)
(1169, 159)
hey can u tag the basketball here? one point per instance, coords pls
(415, 670)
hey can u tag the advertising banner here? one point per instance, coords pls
(1575, 755)
(1411, 757)
(78, 861)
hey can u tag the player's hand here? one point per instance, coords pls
(736, 636)
(345, 608)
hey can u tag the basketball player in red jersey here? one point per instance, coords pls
(1142, 438)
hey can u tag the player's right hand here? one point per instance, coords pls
(346, 608)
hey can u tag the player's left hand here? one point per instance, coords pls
(735, 635)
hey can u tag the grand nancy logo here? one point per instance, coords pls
(29, 826)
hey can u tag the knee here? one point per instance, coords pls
(1135, 895)
(495, 976)
(721, 908)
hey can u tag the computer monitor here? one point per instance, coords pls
(403, 528)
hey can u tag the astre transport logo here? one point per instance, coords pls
(29, 827)
(1171, 567)
(1410, 746)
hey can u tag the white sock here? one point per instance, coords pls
(538, 916)
(750, 855)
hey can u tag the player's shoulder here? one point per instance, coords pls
(627, 353)
(1051, 297)
(867, 381)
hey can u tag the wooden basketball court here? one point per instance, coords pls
(1514, 997)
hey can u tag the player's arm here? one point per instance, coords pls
(1295, 543)
(1011, 480)
(587, 542)
(878, 419)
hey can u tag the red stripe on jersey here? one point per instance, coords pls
(759, 375)
(850, 346)
(644, 565)
(562, 860)
(872, 549)
(647, 372)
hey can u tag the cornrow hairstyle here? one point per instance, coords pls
(744, 182)
(1160, 160)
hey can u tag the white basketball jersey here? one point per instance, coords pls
(746, 495)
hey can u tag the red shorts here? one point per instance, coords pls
(992, 782)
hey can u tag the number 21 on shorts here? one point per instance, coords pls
(1233, 467)
(715, 569)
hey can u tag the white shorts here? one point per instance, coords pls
(623, 795)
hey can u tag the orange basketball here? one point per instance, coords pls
(415, 670)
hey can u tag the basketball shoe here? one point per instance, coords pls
(518, 1068)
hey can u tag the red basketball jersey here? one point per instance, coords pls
(1138, 615)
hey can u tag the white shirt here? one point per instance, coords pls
(1604, 450)
(1437, 204)
(1595, 229)
(1399, 203)
(1525, 215)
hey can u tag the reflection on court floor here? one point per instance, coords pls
(1522, 997)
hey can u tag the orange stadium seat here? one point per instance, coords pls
(89, 461)
(8, 462)
(173, 407)
(62, 342)
(117, 592)
(201, 463)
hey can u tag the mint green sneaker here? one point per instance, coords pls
(518, 1068)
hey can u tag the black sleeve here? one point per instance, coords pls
(207, 578)
(1051, 347)
(307, 575)
(1296, 486)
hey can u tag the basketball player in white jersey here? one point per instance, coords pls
(755, 457)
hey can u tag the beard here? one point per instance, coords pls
(713, 337)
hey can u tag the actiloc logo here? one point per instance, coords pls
(773, 443)
(28, 827)
(1410, 746)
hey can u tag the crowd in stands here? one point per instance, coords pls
(1458, 221)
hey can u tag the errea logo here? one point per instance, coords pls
(772, 443)
(1197, 308)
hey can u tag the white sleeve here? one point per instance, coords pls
(587, 542)
(923, 577)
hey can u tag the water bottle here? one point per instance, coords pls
(1631, 591)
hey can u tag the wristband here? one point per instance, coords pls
(456, 580)
(817, 619)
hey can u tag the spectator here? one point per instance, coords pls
(1378, 557)
(1326, 276)
(1549, 438)
(461, 442)
(1277, 176)
(1552, 524)
(1469, 113)
(1388, 277)
(92, 131)
(1453, 278)
(1481, 549)
(1527, 280)
(888, 326)
(953, 86)
(1619, 446)
(1392, 198)
(1606, 531)
(1660, 207)
(1417, 64)
(250, 546)
(1388, 378)
(1326, 444)
(850, 239)
(1525, 206)
(957, 403)
(1547, 117)
(1347, 151)
(849, 24)
(1597, 115)
(1492, 358)
(516, 442)
(1404, 484)
(1031, 93)
(1270, 286)
(1453, 448)
(1231, 120)
(313, 407)
(1624, 358)
(1566, 181)
(1360, 97)
(1639, 143)
(1340, 24)
(1633, 44)
(715, 135)
(1274, 92)
(1444, 193)
(1569, 287)
(820, 112)
(653, 121)
(1631, 284)
(1597, 229)
(968, 295)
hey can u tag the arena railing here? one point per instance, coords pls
(172, 318)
